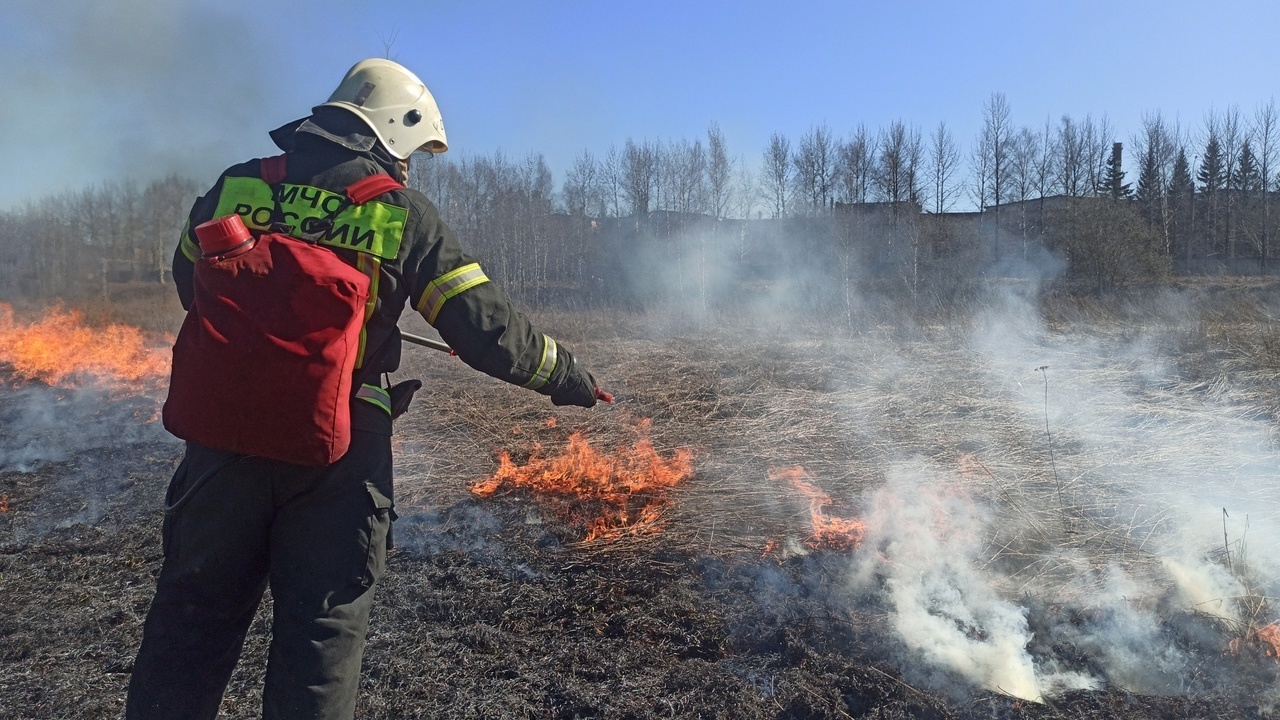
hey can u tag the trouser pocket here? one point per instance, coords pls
(370, 564)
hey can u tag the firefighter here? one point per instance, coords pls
(238, 523)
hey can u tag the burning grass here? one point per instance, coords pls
(985, 548)
(829, 532)
(59, 349)
(74, 386)
(607, 495)
(1265, 639)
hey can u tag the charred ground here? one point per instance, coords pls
(495, 608)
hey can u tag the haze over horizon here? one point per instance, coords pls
(137, 89)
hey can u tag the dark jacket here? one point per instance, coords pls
(333, 149)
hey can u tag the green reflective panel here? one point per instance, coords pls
(375, 227)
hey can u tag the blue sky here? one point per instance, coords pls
(141, 88)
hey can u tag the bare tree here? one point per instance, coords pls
(662, 179)
(388, 42)
(639, 175)
(995, 141)
(1072, 163)
(164, 207)
(1155, 147)
(1023, 158)
(815, 166)
(1045, 170)
(719, 173)
(744, 192)
(943, 163)
(856, 166)
(776, 180)
(1266, 145)
(898, 164)
(582, 186)
(612, 181)
(1098, 137)
(684, 176)
(1231, 137)
(980, 173)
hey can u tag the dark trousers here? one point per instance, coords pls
(318, 536)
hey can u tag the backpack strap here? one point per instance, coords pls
(272, 169)
(368, 188)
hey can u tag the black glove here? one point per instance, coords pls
(577, 387)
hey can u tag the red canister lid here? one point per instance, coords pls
(222, 234)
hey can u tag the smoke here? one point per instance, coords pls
(136, 89)
(1066, 527)
(927, 558)
(1143, 449)
(44, 424)
(87, 455)
(1206, 588)
(465, 528)
(698, 273)
(1082, 518)
(923, 549)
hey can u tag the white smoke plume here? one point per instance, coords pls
(44, 424)
(923, 549)
(1204, 587)
(1081, 532)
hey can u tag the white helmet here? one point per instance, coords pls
(395, 104)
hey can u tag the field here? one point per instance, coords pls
(1050, 508)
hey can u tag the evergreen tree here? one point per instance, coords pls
(1243, 221)
(1247, 178)
(1182, 191)
(1113, 183)
(1149, 189)
(1180, 184)
(1213, 179)
(1211, 170)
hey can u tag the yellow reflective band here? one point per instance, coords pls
(546, 366)
(189, 246)
(448, 285)
(376, 395)
(374, 227)
(371, 267)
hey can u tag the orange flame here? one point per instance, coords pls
(611, 495)
(769, 547)
(4, 503)
(1269, 637)
(829, 533)
(59, 348)
(1266, 637)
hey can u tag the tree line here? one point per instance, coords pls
(79, 243)
(1184, 199)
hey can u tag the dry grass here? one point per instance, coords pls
(846, 408)
(492, 610)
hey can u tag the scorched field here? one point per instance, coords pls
(1043, 508)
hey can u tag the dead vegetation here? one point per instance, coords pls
(494, 608)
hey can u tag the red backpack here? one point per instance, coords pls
(265, 359)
